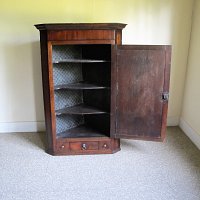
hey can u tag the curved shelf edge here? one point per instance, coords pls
(79, 86)
(80, 109)
(79, 61)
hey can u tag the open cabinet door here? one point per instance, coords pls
(140, 86)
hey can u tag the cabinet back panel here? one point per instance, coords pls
(97, 98)
(97, 52)
(99, 122)
(64, 73)
(67, 98)
(99, 73)
(66, 122)
(67, 73)
(62, 52)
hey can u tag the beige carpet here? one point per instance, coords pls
(140, 171)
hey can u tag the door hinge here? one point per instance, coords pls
(165, 96)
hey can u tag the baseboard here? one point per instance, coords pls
(9, 127)
(172, 121)
(190, 132)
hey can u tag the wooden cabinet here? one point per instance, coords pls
(97, 90)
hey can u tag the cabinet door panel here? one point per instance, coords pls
(142, 77)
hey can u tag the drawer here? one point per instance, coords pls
(104, 145)
(83, 146)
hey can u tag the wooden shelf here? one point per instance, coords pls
(80, 109)
(79, 86)
(79, 61)
(81, 132)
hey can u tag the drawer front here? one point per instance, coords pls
(83, 146)
(81, 35)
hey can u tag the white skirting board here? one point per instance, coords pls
(9, 127)
(172, 121)
(190, 132)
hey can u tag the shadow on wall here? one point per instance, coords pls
(37, 81)
(23, 98)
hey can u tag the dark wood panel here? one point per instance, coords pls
(118, 36)
(80, 110)
(140, 82)
(166, 89)
(75, 42)
(143, 47)
(83, 146)
(100, 145)
(61, 147)
(104, 145)
(81, 35)
(46, 80)
(113, 106)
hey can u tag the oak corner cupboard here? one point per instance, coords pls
(97, 90)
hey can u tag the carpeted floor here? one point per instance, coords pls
(140, 171)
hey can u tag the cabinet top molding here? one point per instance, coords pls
(72, 26)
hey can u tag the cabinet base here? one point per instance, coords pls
(85, 146)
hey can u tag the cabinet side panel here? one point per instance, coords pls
(46, 89)
(114, 84)
(113, 92)
(118, 37)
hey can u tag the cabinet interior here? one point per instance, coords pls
(82, 78)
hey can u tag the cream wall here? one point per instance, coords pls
(149, 22)
(190, 117)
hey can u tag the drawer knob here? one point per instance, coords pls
(84, 146)
(105, 145)
(63, 146)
